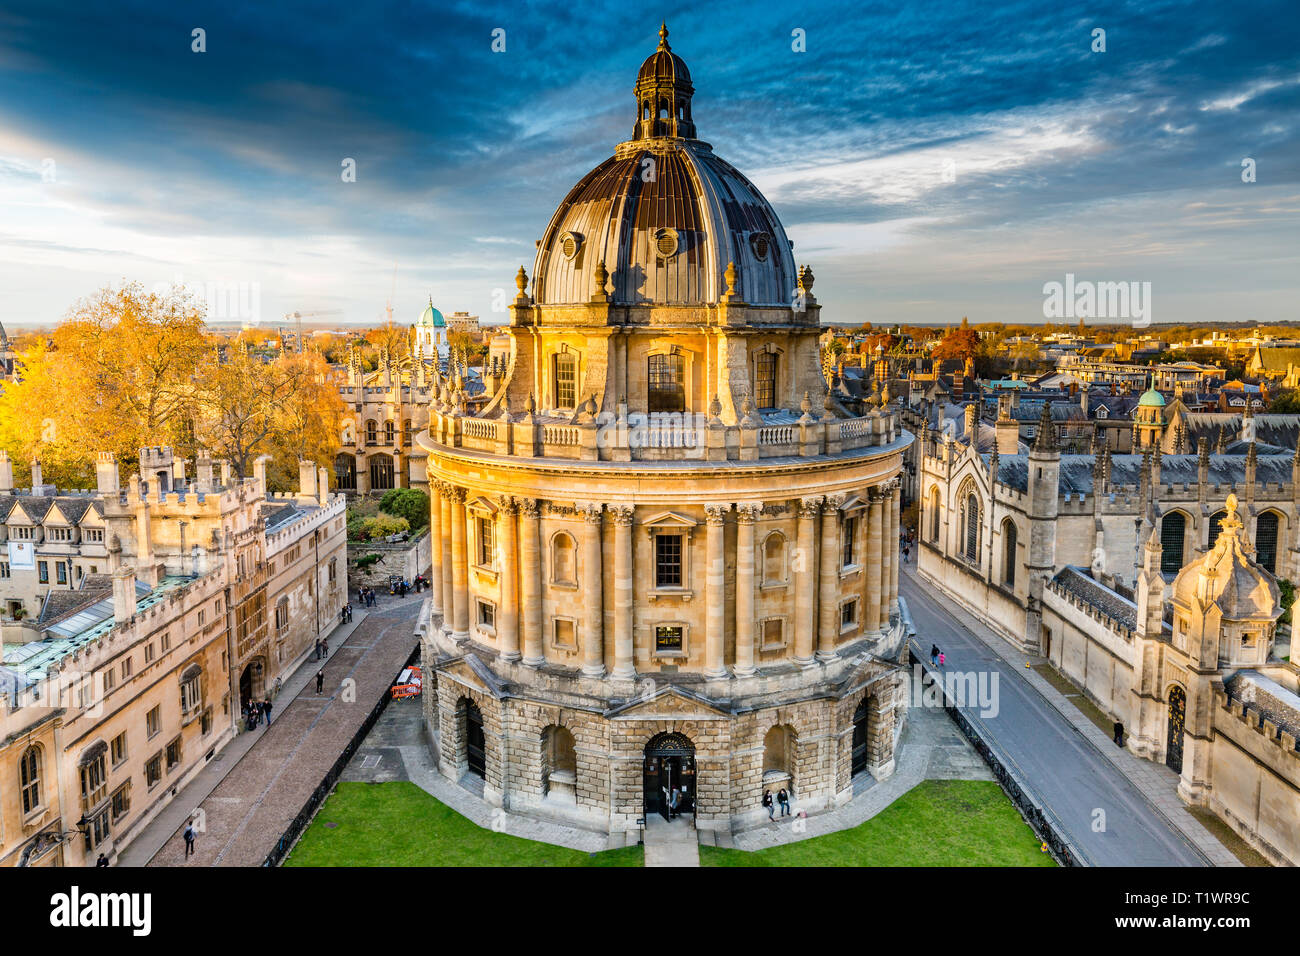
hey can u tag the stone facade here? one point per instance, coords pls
(663, 551)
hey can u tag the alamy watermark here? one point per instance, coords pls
(1085, 299)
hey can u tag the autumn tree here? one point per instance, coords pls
(960, 343)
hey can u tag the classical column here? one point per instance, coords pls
(894, 559)
(805, 579)
(444, 530)
(530, 583)
(624, 655)
(875, 536)
(459, 568)
(507, 620)
(715, 638)
(593, 642)
(435, 546)
(829, 579)
(888, 549)
(747, 513)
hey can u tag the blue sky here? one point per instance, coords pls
(929, 161)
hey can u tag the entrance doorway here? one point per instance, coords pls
(669, 765)
(861, 750)
(251, 683)
(1177, 718)
(474, 755)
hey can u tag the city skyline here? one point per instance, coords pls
(929, 165)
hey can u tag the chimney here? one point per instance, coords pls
(106, 476)
(259, 472)
(227, 473)
(6, 473)
(123, 594)
(36, 476)
(178, 473)
(203, 466)
(972, 424)
(306, 480)
(323, 486)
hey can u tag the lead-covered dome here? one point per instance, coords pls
(664, 215)
(1228, 576)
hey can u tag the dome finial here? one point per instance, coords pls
(663, 35)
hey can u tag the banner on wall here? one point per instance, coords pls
(22, 556)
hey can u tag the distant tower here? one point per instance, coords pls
(1044, 490)
(430, 334)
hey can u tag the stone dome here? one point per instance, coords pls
(664, 216)
(1228, 576)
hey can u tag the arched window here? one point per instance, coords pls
(934, 514)
(29, 775)
(774, 558)
(1172, 528)
(1216, 526)
(563, 564)
(1009, 553)
(389, 432)
(406, 431)
(970, 517)
(667, 385)
(372, 432)
(1266, 541)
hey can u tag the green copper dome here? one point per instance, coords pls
(1152, 398)
(432, 317)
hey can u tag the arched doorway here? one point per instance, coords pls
(669, 765)
(381, 472)
(345, 471)
(559, 764)
(252, 685)
(475, 757)
(861, 749)
(1177, 719)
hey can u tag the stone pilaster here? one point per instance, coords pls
(894, 557)
(875, 539)
(459, 568)
(444, 529)
(435, 546)
(624, 600)
(716, 578)
(593, 640)
(828, 629)
(507, 617)
(530, 583)
(747, 513)
(805, 580)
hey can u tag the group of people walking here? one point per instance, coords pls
(256, 711)
(367, 597)
(937, 657)
(345, 613)
(322, 649)
(782, 801)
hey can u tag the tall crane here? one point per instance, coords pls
(299, 316)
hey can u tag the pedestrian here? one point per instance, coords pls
(941, 658)
(767, 805)
(934, 654)
(189, 839)
(318, 648)
(1119, 733)
(674, 801)
(266, 709)
(783, 799)
(348, 608)
(320, 680)
(325, 648)
(102, 861)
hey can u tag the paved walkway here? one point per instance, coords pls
(248, 808)
(671, 842)
(1073, 767)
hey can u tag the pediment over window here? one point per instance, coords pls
(669, 521)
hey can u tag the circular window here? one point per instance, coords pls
(666, 243)
(759, 242)
(570, 243)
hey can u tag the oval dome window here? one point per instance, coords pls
(666, 243)
(759, 242)
(570, 243)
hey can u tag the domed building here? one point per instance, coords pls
(1148, 420)
(431, 334)
(668, 556)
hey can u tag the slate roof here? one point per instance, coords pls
(1077, 470)
(1277, 359)
(1080, 584)
(1281, 431)
(60, 604)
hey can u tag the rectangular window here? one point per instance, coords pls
(148, 653)
(668, 560)
(117, 749)
(566, 380)
(773, 633)
(43, 572)
(487, 615)
(109, 679)
(4, 569)
(173, 754)
(153, 721)
(166, 642)
(765, 380)
(849, 532)
(190, 694)
(94, 783)
(97, 830)
(126, 668)
(564, 635)
(668, 638)
(848, 614)
(61, 572)
(205, 722)
(486, 544)
(153, 769)
(201, 618)
(666, 384)
(121, 801)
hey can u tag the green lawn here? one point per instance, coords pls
(936, 823)
(398, 824)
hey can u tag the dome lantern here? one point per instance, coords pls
(663, 95)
